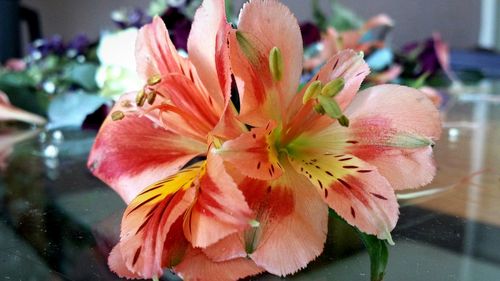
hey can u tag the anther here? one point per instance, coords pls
(312, 91)
(117, 115)
(151, 97)
(333, 87)
(140, 98)
(330, 106)
(153, 80)
(343, 121)
(276, 64)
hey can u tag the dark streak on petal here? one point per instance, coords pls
(345, 159)
(378, 196)
(136, 255)
(143, 203)
(345, 183)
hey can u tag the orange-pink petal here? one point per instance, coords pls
(264, 25)
(151, 232)
(208, 50)
(220, 208)
(393, 128)
(197, 266)
(155, 52)
(353, 188)
(293, 220)
(134, 152)
(254, 153)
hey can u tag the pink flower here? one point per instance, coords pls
(258, 198)
(182, 113)
(333, 41)
(15, 65)
(327, 146)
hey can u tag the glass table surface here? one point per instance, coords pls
(58, 222)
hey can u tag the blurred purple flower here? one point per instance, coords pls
(127, 18)
(179, 27)
(430, 56)
(79, 44)
(310, 33)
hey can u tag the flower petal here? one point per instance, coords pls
(220, 207)
(353, 188)
(197, 266)
(262, 26)
(155, 52)
(207, 47)
(151, 231)
(254, 153)
(293, 223)
(347, 65)
(117, 264)
(394, 127)
(10, 112)
(134, 152)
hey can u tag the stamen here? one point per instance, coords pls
(312, 91)
(153, 80)
(330, 106)
(117, 115)
(276, 64)
(151, 97)
(140, 98)
(333, 87)
(343, 121)
(254, 223)
(319, 109)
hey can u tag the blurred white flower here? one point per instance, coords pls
(117, 73)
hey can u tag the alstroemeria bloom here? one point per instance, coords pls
(300, 158)
(182, 112)
(359, 40)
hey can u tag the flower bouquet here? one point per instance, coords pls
(56, 80)
(221, 186)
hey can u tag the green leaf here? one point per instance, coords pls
(229, 11)
(342, 18)
(319, 17)
(377, 250)
(82, 74)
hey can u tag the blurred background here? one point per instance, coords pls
(464, 23)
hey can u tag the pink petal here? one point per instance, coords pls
(220, 208)
(264, 25)
(293, 223)
(253, 153)
(208, 50)
(275, 25)
(353, 188)
(292, 226)
(347, 65)
(443, 54)
(394, 126)
(386, 76)
(134, 152)
(152, 237)
(155, 52)
(117, 264)
(9, 112)
(378, 20)
(199, 115)
(197, 266)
